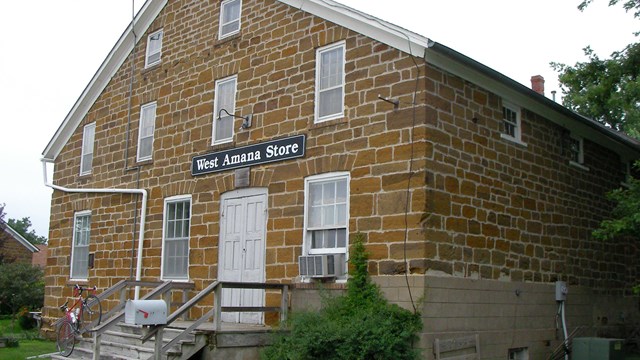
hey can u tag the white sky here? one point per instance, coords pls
(49, 50)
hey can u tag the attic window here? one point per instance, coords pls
(511, 125)
(576, 151)
(154, 49)
(88, 139)
(229, 18)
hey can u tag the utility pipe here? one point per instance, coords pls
(143, 213)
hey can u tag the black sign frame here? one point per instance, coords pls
(262, 153)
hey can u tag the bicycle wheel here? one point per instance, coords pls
(66, 338)
(91, 313)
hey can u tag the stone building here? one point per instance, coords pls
(14, 247)
(261, 131)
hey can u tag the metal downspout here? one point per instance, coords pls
(143, 213)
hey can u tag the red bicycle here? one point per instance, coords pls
(84, 315)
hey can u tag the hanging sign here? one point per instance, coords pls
(262, 153)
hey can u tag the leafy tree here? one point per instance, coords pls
(606, 90)
(20, 285)
(360, 325)
(22, 227)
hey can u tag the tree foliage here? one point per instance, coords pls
(625, 217)
(20, 285)
(22, 227)
(606, 90)
(360, 325)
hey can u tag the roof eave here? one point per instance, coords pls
(19, 238)
(458, 64)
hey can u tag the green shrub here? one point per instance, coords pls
(20, 285)
(357, 326)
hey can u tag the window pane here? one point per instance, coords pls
(342, 238)
(330, 102)
(230, 17)
(328, 215)
(225, 103)
(329, 193)
(330, 241)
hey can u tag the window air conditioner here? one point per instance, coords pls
(321, 266)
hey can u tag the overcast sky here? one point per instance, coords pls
(51, 49)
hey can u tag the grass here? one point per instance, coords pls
(28, 348)
(30, 343)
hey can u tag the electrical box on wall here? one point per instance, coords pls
(561, 291)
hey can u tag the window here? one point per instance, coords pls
(154, 49)
(145, 131)
(511, 125)
(330, 82)
(175, 249)
(224, 106)
(576, 151)
(230, 18)
(326, 213)
(80, 248)
(88, 139)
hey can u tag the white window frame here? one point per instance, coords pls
(319, 71)
(75, 248)
(217, 107)
(517, 126)
(88, 145)
(146, 129)
(153, 38)
(323, 178)
(165, 219)
(223, 21)
(576, 158)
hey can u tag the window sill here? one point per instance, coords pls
(513, 140)
(144, 162)
(150, 68)
(227, 38)
(578, 165)
(327, 123)
(73, 282)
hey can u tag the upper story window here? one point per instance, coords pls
(511, 123)
(145, 131)
(80, 248)
(229, 18)
(224, 106)
(576, 150)
(326, 213)
(154, 49)
(330, 82)
(88, 140)
(175, 247)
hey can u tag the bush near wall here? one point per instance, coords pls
(359, 325)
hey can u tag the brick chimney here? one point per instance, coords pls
(537, 84)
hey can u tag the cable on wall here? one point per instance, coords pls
(411, 140)
(128, 131)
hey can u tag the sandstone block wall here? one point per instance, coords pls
(433, 180)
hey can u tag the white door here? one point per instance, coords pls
(243, 222)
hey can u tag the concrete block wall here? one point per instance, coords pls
(506, 315)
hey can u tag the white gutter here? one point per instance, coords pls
(143, 213)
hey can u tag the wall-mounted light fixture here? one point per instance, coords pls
(246, 120)
(395, 102)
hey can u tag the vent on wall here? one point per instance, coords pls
(321, 266)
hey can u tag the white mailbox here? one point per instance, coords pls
(145, 312)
